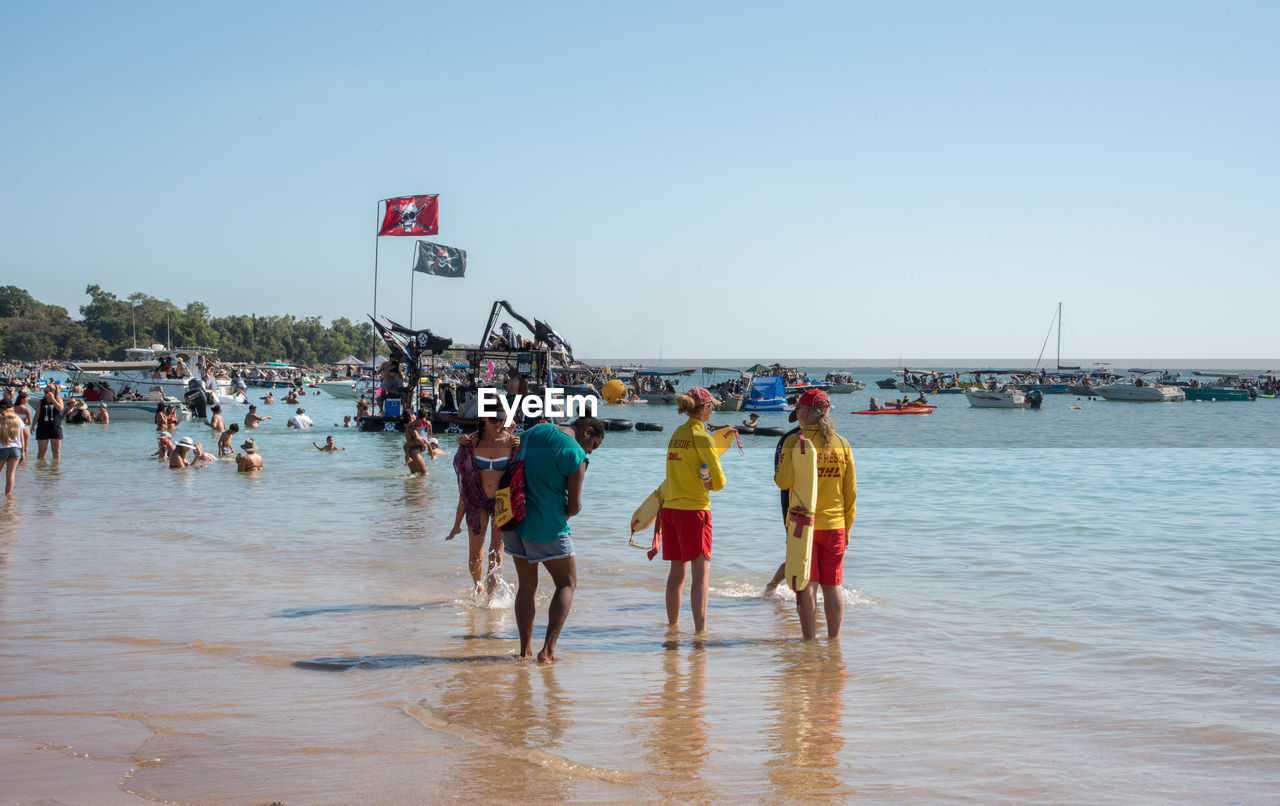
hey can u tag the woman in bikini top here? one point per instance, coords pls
(481, 460)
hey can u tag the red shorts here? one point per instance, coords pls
(826, 560)
(686, 534)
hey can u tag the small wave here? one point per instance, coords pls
(379, 662)
(782, 593)
(301, 612)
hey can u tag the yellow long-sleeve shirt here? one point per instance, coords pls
(690, 448)
(837, 482)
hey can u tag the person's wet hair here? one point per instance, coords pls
(583, 423)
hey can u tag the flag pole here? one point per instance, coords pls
(376, 241)
(413, 275)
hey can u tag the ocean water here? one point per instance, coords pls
(1066, 605)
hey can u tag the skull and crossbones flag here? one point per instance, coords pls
(442, 261)
(412, 215)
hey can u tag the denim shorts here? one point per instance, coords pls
(557, 549)
(10, 453)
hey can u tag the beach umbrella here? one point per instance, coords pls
(350, 361)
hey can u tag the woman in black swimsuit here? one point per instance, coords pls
(49, 422)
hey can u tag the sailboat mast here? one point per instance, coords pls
(1059, 361)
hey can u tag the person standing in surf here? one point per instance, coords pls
(693, 469)
(481, 460)
(10, 443)
(49, 422)
(555, 463)
(833, 510)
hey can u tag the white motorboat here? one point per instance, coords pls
(141, 410)
(729, 400)
(1006, 398)
(136, 407)
(1140, 391)
(343, 389)
(146, 368)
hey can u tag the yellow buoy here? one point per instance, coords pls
(614, 391)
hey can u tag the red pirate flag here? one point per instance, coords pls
(412, 215)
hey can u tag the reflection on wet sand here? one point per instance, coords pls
(517, 714)
(677, 741)
(808, 708)
(11, 526)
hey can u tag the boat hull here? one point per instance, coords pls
(141, 410)
(659, 399)
(344, 390)
(1203, 393)
(765, 404)
(984, 399)
(1127, 392)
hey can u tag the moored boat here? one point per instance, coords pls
(729, 391)
(147, 368)
(345, 390)
(1007, 398)
(1215, 393)
(768, 393)
(1137, 390)
(842, 383)
(140, 410)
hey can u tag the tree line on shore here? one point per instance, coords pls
(31, 330)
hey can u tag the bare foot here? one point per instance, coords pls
(546, 656)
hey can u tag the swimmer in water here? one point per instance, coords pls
(179, 459)
(433, 449)
(224, 441)
(248, 461)
(415, 443)
(252, 419)
(329, 445)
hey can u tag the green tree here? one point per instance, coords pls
(108, 318)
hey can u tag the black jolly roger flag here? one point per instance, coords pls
(442, 261)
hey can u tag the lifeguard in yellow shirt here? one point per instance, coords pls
(693, 468)
(833, 511)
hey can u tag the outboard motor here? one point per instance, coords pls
(1034, 398)
(197, 399)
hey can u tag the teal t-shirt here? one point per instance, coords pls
(550, 458)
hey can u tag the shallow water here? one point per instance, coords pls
(1062, 605)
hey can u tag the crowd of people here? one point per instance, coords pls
(548, 464)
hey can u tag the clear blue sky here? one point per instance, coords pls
(710, 180)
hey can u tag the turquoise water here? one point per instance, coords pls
(1058, 605)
